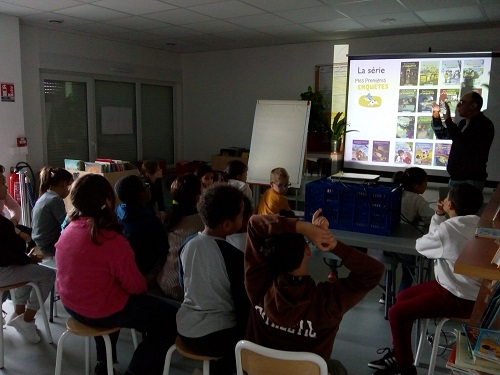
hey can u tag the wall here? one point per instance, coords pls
(11, 114)
(55, 52)
(221, 88)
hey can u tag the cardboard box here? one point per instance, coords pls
(218, 162)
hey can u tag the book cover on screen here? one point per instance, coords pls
(407, 101)
(466, 361)
(380, 151)
(426, 97)
(403, 152)
(451, 96)
(409, 73)
(405, 127)
(441, 154)
(424, 127)
(473, 70)
(423, 153)
(451, 72)
(488, 345)
(429, 73)
(360, 149)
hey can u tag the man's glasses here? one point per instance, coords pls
(464, 101)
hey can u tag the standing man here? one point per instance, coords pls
(472, 138)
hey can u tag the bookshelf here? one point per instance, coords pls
(475, 258)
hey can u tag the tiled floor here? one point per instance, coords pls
(362, 331)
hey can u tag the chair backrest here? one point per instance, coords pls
(258, 360)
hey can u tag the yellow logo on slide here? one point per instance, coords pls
(370, 101)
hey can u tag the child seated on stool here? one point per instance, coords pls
(450, 295)
(214, 313)
(289, 310)
(273, 200)
(141, 227)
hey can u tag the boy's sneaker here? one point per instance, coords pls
(12, 316)
(26, 329)
(382, 299)
(397, 370)
(387, 361)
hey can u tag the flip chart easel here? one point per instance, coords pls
(279, 139)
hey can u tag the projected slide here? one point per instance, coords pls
(390, 106)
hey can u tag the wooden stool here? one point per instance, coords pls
(188, 354)
(435, 344)
(76, 328)
(42, 311)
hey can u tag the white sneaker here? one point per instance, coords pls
(26, 329)
(13, 316)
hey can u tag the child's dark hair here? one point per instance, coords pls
(285, 252)
(247, 208)
(466, 198)
(89, 196)
(234, 168)
(149, 167)
(184, 191)
(52, 177)
(129, 189)
(410, 177)
(203, 169)
(218, 203)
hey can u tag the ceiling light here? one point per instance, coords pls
(388, 20)
(56, 21)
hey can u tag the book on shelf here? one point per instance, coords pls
(488, 232)
(466, 363)
(74, 165)
(496, 257)
(488, 346)
(94, 167)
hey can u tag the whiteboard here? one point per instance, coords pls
(279, 138)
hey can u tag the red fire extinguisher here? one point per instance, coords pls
(14, 188)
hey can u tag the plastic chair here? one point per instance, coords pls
(435, 343)
(188, 354)
(258, 360)
(75, 327)
(42, 311)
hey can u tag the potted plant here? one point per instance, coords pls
(318, 139)
(338, 131)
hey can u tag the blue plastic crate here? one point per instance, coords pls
(367, 208)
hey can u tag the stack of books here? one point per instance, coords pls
(478, 348)
(99, 166)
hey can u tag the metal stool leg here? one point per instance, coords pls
(42, 311)
(59, 354)
(424, 323)
(435, 345)
(168, 358)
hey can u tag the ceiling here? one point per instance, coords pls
(185, 26)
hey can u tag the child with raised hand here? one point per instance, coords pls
(182, 221)
(450, 294)
(273, 201)
(289, 310)
(214, 313)
(143, 230)
(235, 175)
(414, 209)
(206, 175)
(100, 284)
(49, 211)
(153, 175)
